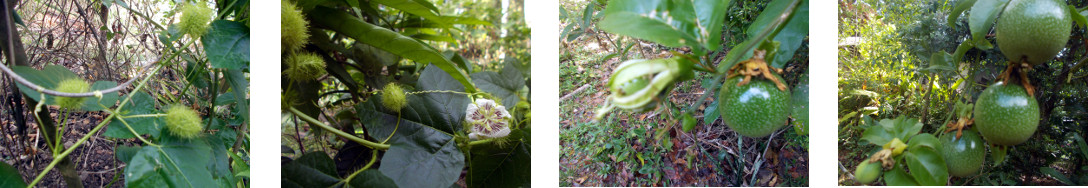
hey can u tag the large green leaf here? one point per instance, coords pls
(177, 163)
(711, 15)
(507, 165)
(442, 111)
(981, 20)
(141, 103)
(888, 129)
(422, 157)
(924, 140)
(961, 6)
(504, 85)
(792, 33)
(926, 166)
(385, 39)
(418, 8)
(898, 177)
(314, 169)
(10, 177)
(1053, 173)
(240, 87)
(667, 22)
(227, 44)
(51, 75)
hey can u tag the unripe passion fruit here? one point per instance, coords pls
(195, 18)
(393, 97)
(755, 109)
(304, 66)
(867, 172)
(1037, 29)
(71, 85)
(183, 122)
(1006, 115)
(964, 155)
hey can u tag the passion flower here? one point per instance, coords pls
(71, 85)
(183, 122)
(487, 119)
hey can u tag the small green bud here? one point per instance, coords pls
(195, 19)
(71, 85)
(304, 66)
(293, 32)
(393, 97)
(183, 122)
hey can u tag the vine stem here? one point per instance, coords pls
(317, 123)
(478, 142)
(763, 35)
(373, 158)
(68, 151)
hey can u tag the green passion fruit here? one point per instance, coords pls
(755, 109)
(964, 155)
(1036, 29)
(867, 172)
(1006, 115)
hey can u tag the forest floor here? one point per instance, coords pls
(650, 149)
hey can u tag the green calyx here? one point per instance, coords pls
(195, 19)
(183, 122)
(393, 97)
(71, 85)
(293, 27)
(304, 66)
(635, 84)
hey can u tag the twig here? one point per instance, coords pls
(576, 91)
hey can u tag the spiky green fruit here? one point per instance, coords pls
(304, 66)
(1006, 115)
(293, 32)
(1033, 29)
(393, 97)
(71, 85)
(183, 122)
(195, 19)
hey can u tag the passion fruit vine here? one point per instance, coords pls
(755, 109)
(964, 155)
(1006, 115)
(1033, 29)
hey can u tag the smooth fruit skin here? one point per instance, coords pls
(867, 172)
(756, 109)
(1006, 115)
(964, 156)
(1038, 29)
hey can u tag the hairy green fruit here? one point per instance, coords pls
(304, 66)
(965, 155)
(293, 32)
(393, 97)
(867, 172)
(1036, 29)
(195, 19)
(1006, 115)
(183, 122)
(71, 85)
(755, 109)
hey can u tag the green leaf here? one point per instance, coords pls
(1082, 145)
(421, 156)
(958, 10)
(442, 111)
(898, 177)
(876, 135)
(927, 167)
(587, 17)
(125, 153)
(141, 103)
(711, 15)
(925, 140)
(196, 74)
(710, 114)
(507, 165)
(504, 84)
(792, 33)
(999, 154)
(1056, 175)
(941, 61)
(10, 177)
(108, 99)
(314, 169)
(372, 178)
(177, 163)
(385, 39)
(240, 87)
(669, 23)
(227, 45)
(799, 99)
(1077, 17)
(51, 75)
(417, 8)
(981, 20)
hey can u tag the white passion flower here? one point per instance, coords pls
(487, 119)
